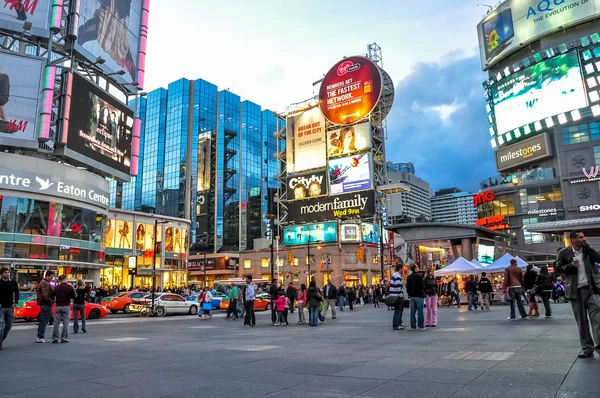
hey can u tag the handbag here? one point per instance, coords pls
(391, 301)
(206, 306)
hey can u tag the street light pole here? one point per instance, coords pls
(308, 257)
(381, 245)
(272, 251)
(154, 265)
(204, 268)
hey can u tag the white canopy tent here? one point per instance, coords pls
(460, 266)
(503, 262)
(477, 263)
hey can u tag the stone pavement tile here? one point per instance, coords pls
(56, 366)
(416, 389)
(337, 385)
(316, 368)
(543, 356)
(274, 379)
(573, 394)
(302, 394)
(482, 391)
(10, 375)
(507, 379)
(375, 372)
(220, 390)
(453, 376)
(130, 378)
(73, 389)
(19, 385)
(461, 364)
(558, 368)
(582, 378)
(265, 364)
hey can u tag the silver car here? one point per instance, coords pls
(166, 303)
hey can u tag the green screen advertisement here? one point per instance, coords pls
(325, 232)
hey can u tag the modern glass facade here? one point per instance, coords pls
(232, 164)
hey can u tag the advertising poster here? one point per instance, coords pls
(108, 239)
(350, 90)
(100, 127)
(55, 219)
(20, 93)
(305, 142)
(169, 242)
(485, 254)
(545, 89)
(299, 234)
(370, 233)
(14, 13)
(349, 233)
(110, 29)
(516, 23)
(361, 204)
(124, 235)
(307, 185)
(349, 140)
(144, 236)
(350, 174)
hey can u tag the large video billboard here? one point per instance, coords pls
(515, 23)
(360, 204)
(305, 186)
(350, 90)
(100, 127)
(20, 92)
(299, 234)
(111, 29)
(349, 140)
(545, 89)
(305, 141)
(350, 174)
(15, 13)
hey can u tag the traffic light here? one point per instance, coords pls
(321, 265)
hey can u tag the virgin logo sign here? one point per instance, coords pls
(347, 66)
(593, 172)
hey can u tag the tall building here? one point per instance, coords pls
(451, 205)
(208, 149)
(411, 206)
(404, 167)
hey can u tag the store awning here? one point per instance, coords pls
(590, 225)
(460, 266)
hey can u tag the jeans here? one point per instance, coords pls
(250, 318)
(341, 302)
(280, 317)
(232, 309)
(416, 309)
(313, 316)
(472, 300)
(546, 301)
(398, 310)
(273, 312)
(329, 303)
(485, 300)
(454, 296)
(7, 316)
(292, 300)
(431, 302)
(45, 313)
(61, 315)
(78, 310)
(516, 294)
(301, 312)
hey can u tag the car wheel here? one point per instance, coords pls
(161, 311)
(114, 311)
(126, 309)
(28, 320)
(193, 310)
(94, 314)
(268, 307)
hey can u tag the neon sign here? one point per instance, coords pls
(483, 197)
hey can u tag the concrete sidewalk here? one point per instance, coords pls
(471, 354)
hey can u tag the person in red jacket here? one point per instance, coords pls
(301, 304)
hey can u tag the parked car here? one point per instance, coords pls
(217, 298)
(122, 301)
(24, 296)
(30, 310)
(166, 303)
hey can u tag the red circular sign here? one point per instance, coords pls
(350, 90)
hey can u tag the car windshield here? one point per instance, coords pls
(120, 294)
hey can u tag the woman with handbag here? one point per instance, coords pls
(545, 285)
(206, 302)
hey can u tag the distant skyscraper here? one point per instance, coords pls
(403, 167)
(207, 147)
(414, 205)
(451, 205)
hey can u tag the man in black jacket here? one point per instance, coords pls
(274, 293)
(329, 295)
(582, 288)
(471, 289)
(415, 288)
(9, 298)
(485, 287)
(292, 295)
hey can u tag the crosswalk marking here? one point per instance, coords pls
(126, 339)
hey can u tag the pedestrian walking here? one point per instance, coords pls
(544, 284)
(313, 297)
(100, 294)
(341, 292)
(529, 285)
(81, 296)
(44, 301)
(377, 295)
(249, 318)
(454, 294)
(93, 295)
(431, 298)
(351, 298)
(329, 296)
(292, 295)
(485, 288)
(280, 306)
(471, 288)
(416, 292)
(233, 301)
(513, 286)
(206, 302)
(582, 288)
(9, 298)
(274, 293)
(63, 294)
(301, 303)
(396, 297)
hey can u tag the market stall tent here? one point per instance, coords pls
(503, 262)
(477, 263)
(460, 266)
(520, 262)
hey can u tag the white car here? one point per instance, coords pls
(166, 303)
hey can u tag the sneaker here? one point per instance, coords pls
(83, 330)
(421, 329)
(434, 326)
(38, 340)
(413, 328)
(64, 341)
(54, 341)
(332, 317)
(74, 332)
(401, 327)
(548, 316)
(511, 319)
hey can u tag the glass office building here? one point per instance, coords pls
(208, 157)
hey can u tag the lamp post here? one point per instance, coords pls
(154, 259)
(204, 269)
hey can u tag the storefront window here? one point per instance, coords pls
(497, 207)
(247, 264)
(265, 263)
(536, 198)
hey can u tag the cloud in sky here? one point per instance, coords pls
(439, 123)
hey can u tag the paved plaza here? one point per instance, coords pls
(471, 354)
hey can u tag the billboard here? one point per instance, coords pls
(305, 141)
(485, 253)
(350, 90)
(370, 233)
(349, 233)
(118, 234)
(20, 93)
(361, 204)
(531, 149)
(516, 23)
(100, 127)
(304, 186)
(349, 140)
(111, 29)
(299, 234)
(545, 89)
(14, 13)
(350, 174)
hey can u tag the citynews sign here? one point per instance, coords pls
(361, 204)
(483, 197)
(534, 148)
(43, 177)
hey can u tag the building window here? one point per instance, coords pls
(497, 207)
(536, 237)
(531, 198)
(581, 133)
(597, 155)
(264, 263)
(247, 264)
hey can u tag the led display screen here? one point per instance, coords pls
(299, 234)
(309, 185)
(305, 141)
(14, 13)
(485, 254)
(497, 32)
(545, 89)
(349, 140)
(350, 174)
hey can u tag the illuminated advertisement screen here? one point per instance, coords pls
(485, 253)
(498, 32)
(349, 140)
(349, 233)
(350, 174)
(370, 233)
(20, 92)
(359, 204)
(298, 234)
(110, 29)
(350, 90)
(305, 141)
(100, 127)
(14, 13)
(310, 185)
(545, 89)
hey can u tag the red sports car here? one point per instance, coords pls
(29, 310)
